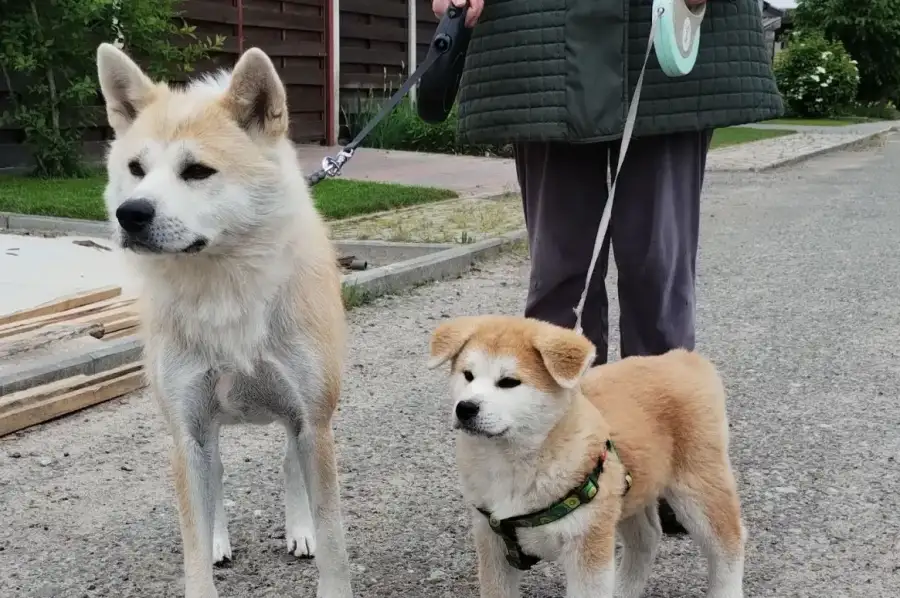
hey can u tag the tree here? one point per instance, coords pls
(48, 62)
(869, 30)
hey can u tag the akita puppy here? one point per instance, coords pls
(555, 458)
(241, 306)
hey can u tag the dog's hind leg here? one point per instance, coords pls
(221, 542)
(299, 531)
(709, 507)
(640, 534)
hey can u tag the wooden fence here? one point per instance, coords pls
(374, 55)
(292, 32)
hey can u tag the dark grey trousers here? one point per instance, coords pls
(653, 227)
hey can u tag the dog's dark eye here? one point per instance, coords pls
(508, 382)
(468, 375)
(197, 172)
(136, 169)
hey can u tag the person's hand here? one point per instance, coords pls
(475, 7)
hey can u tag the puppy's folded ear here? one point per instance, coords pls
(567, 355)
(256, 96)
(125, 88)
(448, 339)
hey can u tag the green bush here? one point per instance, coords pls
(816, 77)
(886, 110)
(869, 30)
(402, 129)
(47, 58)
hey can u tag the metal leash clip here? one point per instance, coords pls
(332, 165)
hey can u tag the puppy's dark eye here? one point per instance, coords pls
(508, 382)
(468, 376)
(197, 172)
(136, 169)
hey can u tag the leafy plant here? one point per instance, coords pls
(402, 129)
(47, 61)
(816, 77)
(870, 31)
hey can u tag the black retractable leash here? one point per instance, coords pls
(438, 77)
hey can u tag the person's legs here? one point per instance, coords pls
(655, 234)
(655, 226)
(564, 189)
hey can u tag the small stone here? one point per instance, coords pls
(437, 575)
(127, 468)
(45, 461)
(15, 455)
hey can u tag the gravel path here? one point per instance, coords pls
(798, 306)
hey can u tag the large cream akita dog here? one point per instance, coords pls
(241, 307)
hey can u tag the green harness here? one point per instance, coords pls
(580, 495)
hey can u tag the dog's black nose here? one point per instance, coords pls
(466, 410)
(135, 215)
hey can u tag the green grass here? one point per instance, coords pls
(818, 122)
(734, 135)
(83, 198)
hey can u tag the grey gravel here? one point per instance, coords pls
(798, 307)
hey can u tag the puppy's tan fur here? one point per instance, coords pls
(666, 416)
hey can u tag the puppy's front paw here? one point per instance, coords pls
(301, 542)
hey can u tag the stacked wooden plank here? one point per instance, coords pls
(99, 313)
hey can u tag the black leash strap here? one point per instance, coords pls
(440, 45)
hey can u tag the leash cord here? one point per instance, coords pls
(332, 165)
(626, 139)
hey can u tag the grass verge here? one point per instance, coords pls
(820, 122)
(735, 135)
(83, 198)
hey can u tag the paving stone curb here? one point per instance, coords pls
(844, 144)
(441, 262)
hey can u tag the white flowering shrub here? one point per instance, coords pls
(816, 77)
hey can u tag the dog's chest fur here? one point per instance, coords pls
(511, 487)
(240, 329)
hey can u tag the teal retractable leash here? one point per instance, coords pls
(675, 33)
(677, 36)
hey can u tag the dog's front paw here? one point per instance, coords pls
(221, 549)
(301, 542)
(338, 587)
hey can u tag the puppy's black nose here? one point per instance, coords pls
(135, 215)
(466, 410)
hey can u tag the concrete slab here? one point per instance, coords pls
(36, 269)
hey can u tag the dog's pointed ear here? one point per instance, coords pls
(256, 96)
(448, 339)
(566, 354)
(126, 89)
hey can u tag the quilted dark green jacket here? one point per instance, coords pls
(564, 70)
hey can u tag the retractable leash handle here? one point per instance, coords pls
(440, 84)
(678, 35)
